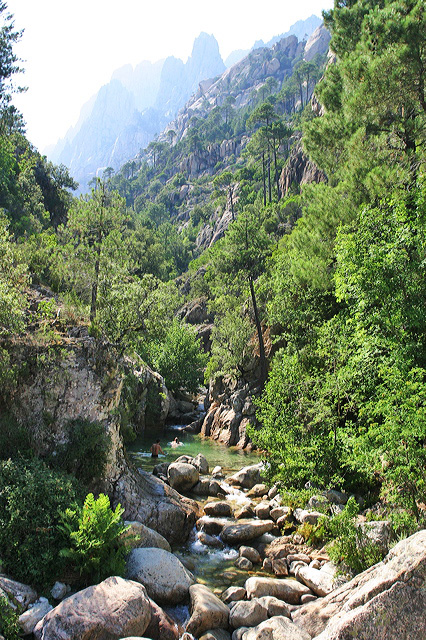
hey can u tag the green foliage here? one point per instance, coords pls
(9, 626)
(179, 358)
(350, 547)
(85, 453)
(94, 534)
(31, 498)
(14, 438)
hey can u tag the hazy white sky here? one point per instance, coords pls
(71, 47)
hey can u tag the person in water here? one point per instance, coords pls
(156, 449)
(176, 442)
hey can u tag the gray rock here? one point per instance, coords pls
(320, 582)
(385, 602)
(200, 463)
(252, 554)
(212, 526)
(239, 633)
(379, 532)
(207, 611)
(277, 628)
(284, 589)
(19, 595)
(182, 476)
(216, 634)
(245, 531)
(247, 613)
(220, 509)
(210, 541)
(258, 491)
(162, 574)
(28, 620)
(279, 567)
(336, 497)
(115, 608)
(307, 598)
(207, 487)
(262, 510)
(244, 564)
(217, 472)
(233, 594)
(281, 512)
(247, 477)
(274, 606)
(59, 590)
(141, 536)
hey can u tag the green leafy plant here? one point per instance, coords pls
(350, 547)
(94, 534)
(31, 497)
(9, 626)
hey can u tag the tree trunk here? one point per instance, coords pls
(259, 334)
(264, 179)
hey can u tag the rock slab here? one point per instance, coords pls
(207, 611)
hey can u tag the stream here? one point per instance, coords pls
(212, 567)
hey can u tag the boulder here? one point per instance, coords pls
(113, 609)
(162, 574)
(284, 589)
(233, 594)
(210, 541)
(252, 554)
(161, 626)
(336, 497)
(279, 567)
(212, 526)
(262, 510)
(379, 532)
(161, 469)
(277, 628)
(258, 491)
(220, 509)
(303, 515)
(217, 472)
(243, 563)
(182, 476)
(28, 620)
(245, 512)
(274, 606)
(320, 582)
(238, 633)
(207, 611)
(247, 613)
(207, 487)
(19, 595)
(281, 512)
(200, 463)
(141, 536)
(241, 532)
(59, 590)
(247, 477)
(385, 602)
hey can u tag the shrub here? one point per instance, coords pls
(94, 533)
(14, 438)
(31, 497)
(9, 626)
(351, 548)
(85, 453)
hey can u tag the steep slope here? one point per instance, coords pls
(132, 108)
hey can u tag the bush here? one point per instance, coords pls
(85, 453)
(14, 438)
(31, 497)
(351, 548)
(9, 626)
(94, 533)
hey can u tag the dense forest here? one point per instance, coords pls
(324, 284)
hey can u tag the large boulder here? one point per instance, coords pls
(28, 620)
(277, 628)
(113, 609)
(149, 500)
(200, 463)
(182, 476)
(385, 602)
(19, 595)
(219, 509)
(285, 589)
(247, 614)
(207, 611)
(241, 532)
(247, 477)
(321, 582)
(138, 535)
(162, 574)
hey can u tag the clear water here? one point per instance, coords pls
(210, 566)
(230, 459)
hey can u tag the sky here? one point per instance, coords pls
(70, 48)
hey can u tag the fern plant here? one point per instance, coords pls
(94, 533)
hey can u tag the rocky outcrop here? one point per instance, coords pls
(299, 170)
(385, 602)
(317, 43)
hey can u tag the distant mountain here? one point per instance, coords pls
(302, 29)
(132, 108)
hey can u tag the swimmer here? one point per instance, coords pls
(156, 449)
(176, 442)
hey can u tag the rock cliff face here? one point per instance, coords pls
(299, 169)
(82, 378)
(132, 108)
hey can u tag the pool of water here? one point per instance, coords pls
(230, 459)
